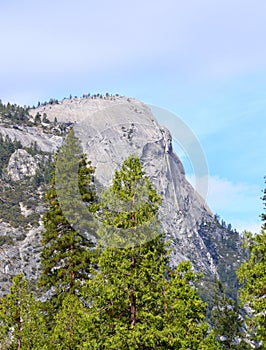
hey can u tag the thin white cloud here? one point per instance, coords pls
(235, 195)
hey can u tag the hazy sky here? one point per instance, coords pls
(202, 60)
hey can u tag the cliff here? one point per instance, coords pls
(110, 129)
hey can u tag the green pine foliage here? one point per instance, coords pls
(252, 274)
(21, 322)
(25, 191)
(7, 147)
(66, 253)
(253, 294)
(227, 322)
(185, 326)
(12, 113)
(128, 210)
(12, 194)
(263, 216)
(68, 331)
(136, 301)
(123, 295)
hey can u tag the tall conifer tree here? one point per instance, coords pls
(252, 274)
(228, 324)
(68, 223)
(136, 301)
(263, 216)
(68, 331)
(22, 325)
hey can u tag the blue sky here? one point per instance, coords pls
(203, 60)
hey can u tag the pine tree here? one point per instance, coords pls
(228, 324)
(68, 224)
(264, 202)
(253, 294)
(21, 322)
(129, 208)
(252, 274)
(68, 331)
(184, 314)
(136, 301)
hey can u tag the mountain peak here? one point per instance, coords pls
(111, 128)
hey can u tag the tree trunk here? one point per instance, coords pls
(133, 308)
(133, 301)
(19, 335)
(72, 273)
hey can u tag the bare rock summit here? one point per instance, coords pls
(110, 129)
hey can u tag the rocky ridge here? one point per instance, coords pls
(110, 129)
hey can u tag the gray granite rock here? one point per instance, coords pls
(21, 164)
(27, 135)
(110, 130)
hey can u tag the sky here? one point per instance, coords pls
(204, 61)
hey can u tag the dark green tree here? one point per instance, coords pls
(228, 324)
(136, 301)
(37, 119)
(264, 202)
(45, 119)
(68, 224)
(7, 147)
(68, 331)
(252, 274)
(22, 324)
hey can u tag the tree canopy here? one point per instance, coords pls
(66, 253)
(136, 300)
(252, 274)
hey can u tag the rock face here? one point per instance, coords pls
(110, 129)
(29, 135)
(19, 252)
(21, 164)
